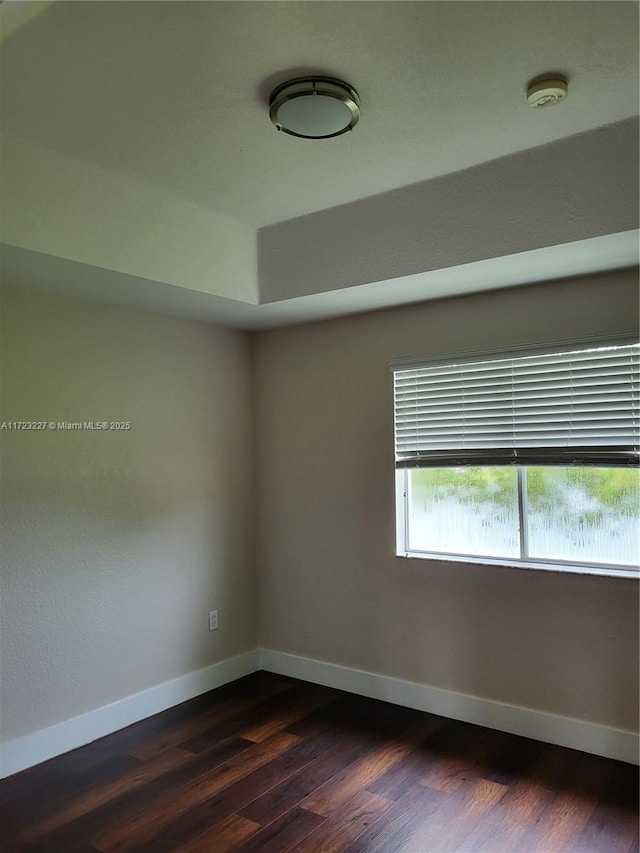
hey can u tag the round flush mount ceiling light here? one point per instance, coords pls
(314, 107)
(546, 92)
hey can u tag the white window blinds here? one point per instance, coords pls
(558, 408)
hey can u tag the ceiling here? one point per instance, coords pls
(173, 95)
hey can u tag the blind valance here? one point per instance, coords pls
(562, 408)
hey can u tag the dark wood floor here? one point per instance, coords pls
(272, 764)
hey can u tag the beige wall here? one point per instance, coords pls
(329, 585)
(49, 206)
(115, 545)
(573, 189)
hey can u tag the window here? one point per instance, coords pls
(529, 459)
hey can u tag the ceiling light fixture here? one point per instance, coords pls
(546, 91)
(314, 107)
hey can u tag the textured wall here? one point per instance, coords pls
(329, 585)
(115, 545)
(49, 205)
(581, 187)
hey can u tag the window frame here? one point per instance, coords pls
(569, 566)
(532, 563)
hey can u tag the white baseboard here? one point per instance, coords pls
(27, 751)
(538, 725)
(23, 752)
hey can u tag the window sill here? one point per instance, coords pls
(566, 568)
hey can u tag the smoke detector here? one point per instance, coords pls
(314, 107)
(546, 91)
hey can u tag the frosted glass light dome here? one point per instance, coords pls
(314, 107)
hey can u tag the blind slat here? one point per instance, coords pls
(584, 402)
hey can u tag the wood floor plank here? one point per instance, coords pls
(137, 734)
(558, 826)
(577, 781)
(502, 826)
(347, 823)
(211, 720)
(219, 807)
(224, 837)
(144, 773)
(42, 800)
(455, 819)
(131, 803)
(247, 716)
(275, 803)
(318, 770)
(451, 757)
(459, 754)
(392, 830)
(288, 714)
(361, 716)
(402, 776)
(145, 824)
(285, 834)
(613, 824)
(334, 793)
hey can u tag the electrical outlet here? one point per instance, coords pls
(213, 620)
